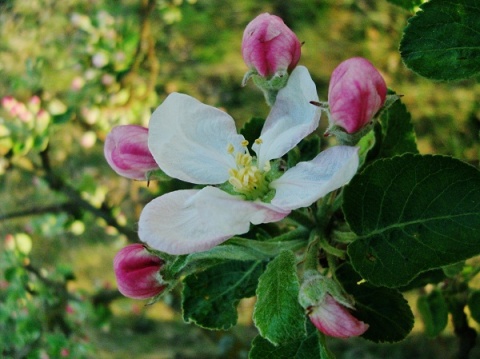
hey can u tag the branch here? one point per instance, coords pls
(56, 208)
(56, 183)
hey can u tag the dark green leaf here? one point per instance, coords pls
(303, 348)
(442, 41)
(434, 312)
(412, 213)
(474, 305)
(277, 314)
(252, 129)
(407, 4)
(387, 313)
(429, 277)
(210, 297)
(309, 148)
(394, 133)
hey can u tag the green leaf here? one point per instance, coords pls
(474, 305)
(387, 313)
(277, 314)
(412, 213)
(442, 41)
(210, 297)
(394, 133)
(434, 312)
(303, 348)
(407, 4)
(432, 276)
(238, 248)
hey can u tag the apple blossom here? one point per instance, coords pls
(138, 272)
(355, 94)
(269, 46)
(199, 144)
(126, 151)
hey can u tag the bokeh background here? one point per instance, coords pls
(76, 68)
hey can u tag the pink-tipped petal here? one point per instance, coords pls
(189, 140)
(308, 181)
(188, 221)
(334, 320)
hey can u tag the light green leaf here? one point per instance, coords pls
(434, 312)
(210, 297)
(243, 249)
(412, 213)
(387, 313)
(442, 41)
(277, 314)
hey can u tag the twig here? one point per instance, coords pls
(56, 183)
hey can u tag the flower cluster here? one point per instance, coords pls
(236, 183)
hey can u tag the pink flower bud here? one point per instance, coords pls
(138, 272)
(126, 151)
(269, 46)
(355, 94)
(334, 320)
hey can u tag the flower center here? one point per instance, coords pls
(246, 178)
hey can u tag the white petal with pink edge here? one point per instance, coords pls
(291, 119)
(309, 181)
(189, 140)
(188, 221)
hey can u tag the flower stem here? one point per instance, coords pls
(300, 232)
(302, 219)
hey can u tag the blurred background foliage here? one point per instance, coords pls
(71, 70)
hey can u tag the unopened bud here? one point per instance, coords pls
(270, 50)
(126, 151)
(138, 272)
(356, 93)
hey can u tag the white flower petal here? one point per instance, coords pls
(291, 119)
(189, 140)
(308, 181)
(188, 221)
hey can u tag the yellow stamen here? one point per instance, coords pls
(246, 178)
(258, 141)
